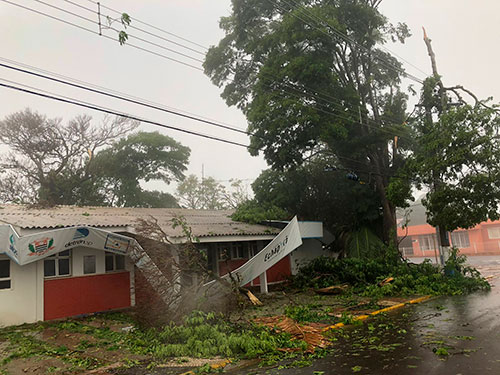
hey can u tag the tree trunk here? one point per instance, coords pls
(389, 233)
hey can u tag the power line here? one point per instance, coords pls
(117, 31)
(63, 77)
(322, 110)
(149, 25)
(121, 114)
(324, 21)
(103, 35)
(80, 103)
(293, 87)
(138, 28)
(341, 35)
(138, 102)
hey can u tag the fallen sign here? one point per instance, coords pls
(283, 244)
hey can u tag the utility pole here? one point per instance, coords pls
(441, 233)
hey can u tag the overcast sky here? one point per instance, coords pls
(464, 33)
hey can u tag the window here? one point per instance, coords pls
(460, 239)
(224, 251)
(494, 233)
(252, 248)
(239, 250)
(5, 282)
(88, 264)
(58, 264)
(427, 242)
(114, 262)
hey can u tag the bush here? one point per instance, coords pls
(409, 278)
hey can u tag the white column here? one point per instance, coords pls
(263, 283)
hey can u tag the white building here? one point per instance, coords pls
(86, 280)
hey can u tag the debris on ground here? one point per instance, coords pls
(386, 281)
(311, 334)
(253, 299)
(334, 289)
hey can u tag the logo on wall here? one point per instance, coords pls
(12, 245)
(116, 243)
(81, 233)
(40, 247)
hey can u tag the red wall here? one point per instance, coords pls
(480, 243)
(87, 294)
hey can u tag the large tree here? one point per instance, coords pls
(456, 155)
(209, 194)
(80, 163)
(304, 89)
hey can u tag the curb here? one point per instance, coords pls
(213, 366)
(390, 308)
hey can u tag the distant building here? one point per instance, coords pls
(419, 239)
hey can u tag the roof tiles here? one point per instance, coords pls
(203, 223)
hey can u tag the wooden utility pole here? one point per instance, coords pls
(441, 233)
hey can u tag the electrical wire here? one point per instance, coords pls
(63, 77)
(331, 113)
(149, 25)
(84, 104)
(338, 102)
(138, 28)
(95, 107)
(324, 21)
(388, 64)
(117, 31)
(68, 81)
(103, 35)
(119, 97)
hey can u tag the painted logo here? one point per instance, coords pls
(12, 246)
(78, 243)
(81, 233)
(279, 247)
(40, 247)
(116, 243)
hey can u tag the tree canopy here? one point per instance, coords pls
(84, 164)
(209, 194)
(456, 157)
(306, 90)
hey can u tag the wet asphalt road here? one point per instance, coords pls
(465, 330)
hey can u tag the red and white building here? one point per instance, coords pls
(85, 280)
(419, 239)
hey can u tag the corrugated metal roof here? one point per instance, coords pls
(204, 223)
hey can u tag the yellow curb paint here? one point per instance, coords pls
(220, 364)
(362, 317)
(418, 300)
(390, 308)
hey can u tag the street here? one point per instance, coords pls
(446, 335)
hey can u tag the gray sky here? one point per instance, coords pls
(464, 35)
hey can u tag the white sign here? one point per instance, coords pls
(282, 245)
(30, 248)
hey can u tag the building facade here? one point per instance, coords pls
(419, 239)
(85, 280)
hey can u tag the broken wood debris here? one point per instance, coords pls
(386, 281)
(334, 289)
(311, 334)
